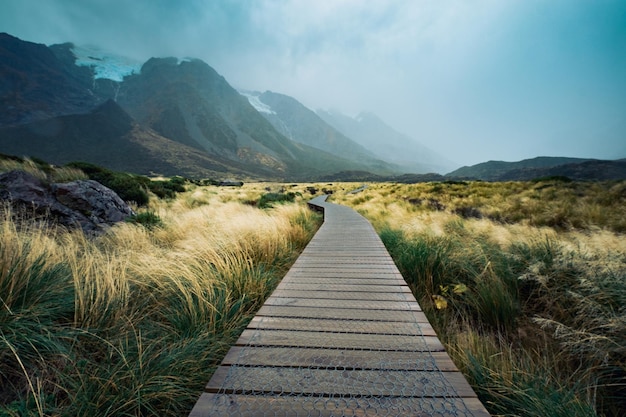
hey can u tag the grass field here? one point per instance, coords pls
(525, 283)
(134, 322)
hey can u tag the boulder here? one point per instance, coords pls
(84, 203)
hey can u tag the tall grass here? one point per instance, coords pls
(41, 169)
(133, 323)
(525, 284)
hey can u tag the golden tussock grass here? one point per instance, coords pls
(100, 325)
(534, 279)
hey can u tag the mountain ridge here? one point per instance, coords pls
(299, 123)
(170, 100)
(176, 116)
(370, 131)
(543, 166)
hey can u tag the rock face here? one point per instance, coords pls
(85, 203)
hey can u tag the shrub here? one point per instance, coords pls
(128, 186)
(269, 199)
(148, 219)
(169, 188)
(555, 178)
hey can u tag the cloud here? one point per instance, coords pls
(477, 80)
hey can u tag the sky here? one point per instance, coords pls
(474, 80)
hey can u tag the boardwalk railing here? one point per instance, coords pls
(342, 335)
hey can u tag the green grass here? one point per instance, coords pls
(524, 295)
(528, 297)
(271, 199)
(134, 322)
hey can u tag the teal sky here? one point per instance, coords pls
(473, 79)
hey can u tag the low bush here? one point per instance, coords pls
(270, 199)
(128, 186)
(148, 219)
(132, 187)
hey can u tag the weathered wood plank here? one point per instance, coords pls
(342, 314)
(334, 303)
(325, 286)
(339, 382)
(355, 280)
(358, 341)
(252, 406)
(324, 358)
(351, 326)
(344, 295)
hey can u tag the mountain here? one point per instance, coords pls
(188, 101)
(581, 171)
(386, 143)
(185, 106)
(528, 169)
(36, 84)
(297, 122)
(108, 136)
(494, 170)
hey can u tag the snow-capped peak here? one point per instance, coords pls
(105, 64)
(256, 102)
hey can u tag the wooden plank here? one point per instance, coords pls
(353, 359)
(352, 326)
(345, 281)
(210, 404)
(325, 286)
(339, 382)
(344, 295)
(345, 262)
(308, 265)
(359, 341)
(336, 271)
(343, 314)
(344, 277)
(340, 275)
(334, 303)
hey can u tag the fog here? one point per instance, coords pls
(474, 80)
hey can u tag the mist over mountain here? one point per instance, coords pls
(386, 143)
(297, 122)
(184, 105)
(171, 116)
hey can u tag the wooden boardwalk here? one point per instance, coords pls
(342, 335)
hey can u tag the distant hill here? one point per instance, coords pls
(586, 170)
(528, 169)
(297, 122)
(386, 143)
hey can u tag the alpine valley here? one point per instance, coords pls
(167, 116)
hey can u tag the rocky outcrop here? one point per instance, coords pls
(84, 204)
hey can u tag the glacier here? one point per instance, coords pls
(254, 100)
(105, 64)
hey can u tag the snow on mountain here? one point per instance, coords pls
(253, 98)
(105, 64)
